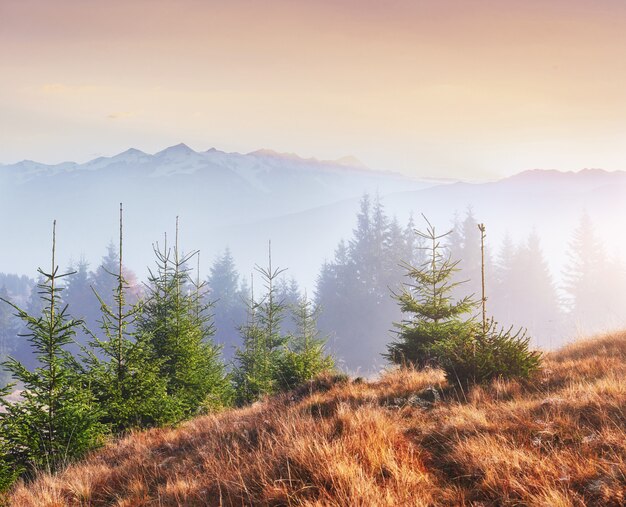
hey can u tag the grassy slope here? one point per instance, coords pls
(560, 440)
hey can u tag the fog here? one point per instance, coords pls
(306, 207)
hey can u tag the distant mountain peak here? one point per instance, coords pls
(350, 161)
(178, 149)
(132, 151)
(265, 152)
(538, 174)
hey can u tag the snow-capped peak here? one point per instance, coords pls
(180, 149)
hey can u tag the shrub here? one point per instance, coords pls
(474, 357)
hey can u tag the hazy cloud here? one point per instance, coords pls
(121, 115)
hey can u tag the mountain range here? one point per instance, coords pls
(243, 200)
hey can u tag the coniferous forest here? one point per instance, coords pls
(312, 254)
(89, 354)
(352, 291)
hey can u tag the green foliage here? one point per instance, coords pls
(176, 327)
(304, 357)
(473, 357)
(122, 371)
(467, 351)
(56, 419)
(353, 288)
(256, 371)
(433, 315)
(270, 361)
(254, 374)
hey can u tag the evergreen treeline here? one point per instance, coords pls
(438, 329)
(150, 361)
(149, 355)
(352, 289)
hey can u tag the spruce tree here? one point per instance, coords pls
(501, 303)
(228, 301)
(176, 323)
(101, 279)
(79, 297)
(257, 361)
(305, 356)
(122, 371)
(432, 314)
(486, 352)
(9, 329)
(587, 279)
(253, 375)
(56, 420)
(353, 290)
(533, 293)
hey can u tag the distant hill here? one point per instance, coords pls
(404, 439)
(210, 191)
(549, 202)
(303, 205)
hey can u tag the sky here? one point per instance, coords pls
(473, 89)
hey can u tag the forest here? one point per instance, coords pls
(351, 298)
(93, 353)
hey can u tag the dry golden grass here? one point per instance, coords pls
(558, 440)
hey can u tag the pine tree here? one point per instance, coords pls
(587, 278)
(56, 420)
(433, 316)
(465, 246)
(288, 292)
(102, 280)
(34, 305)
(228, 302)
(176, 323)
(122, 371)
(533, 292)
(305, 356)
(501, 301)
(257, 361)
(253, 375)
(78, 296)
(9, 329)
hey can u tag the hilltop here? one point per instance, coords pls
(404, 439)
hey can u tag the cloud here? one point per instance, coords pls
(121, 115)
(61, 88)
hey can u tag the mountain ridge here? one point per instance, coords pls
(244, 200)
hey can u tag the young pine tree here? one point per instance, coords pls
(433, 315)
(175, 322)
(305, 356)
(257, 361)
(56, 420)
(122, 371)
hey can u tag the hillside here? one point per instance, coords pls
(559, 440)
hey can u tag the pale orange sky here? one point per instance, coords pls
(472, 89)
